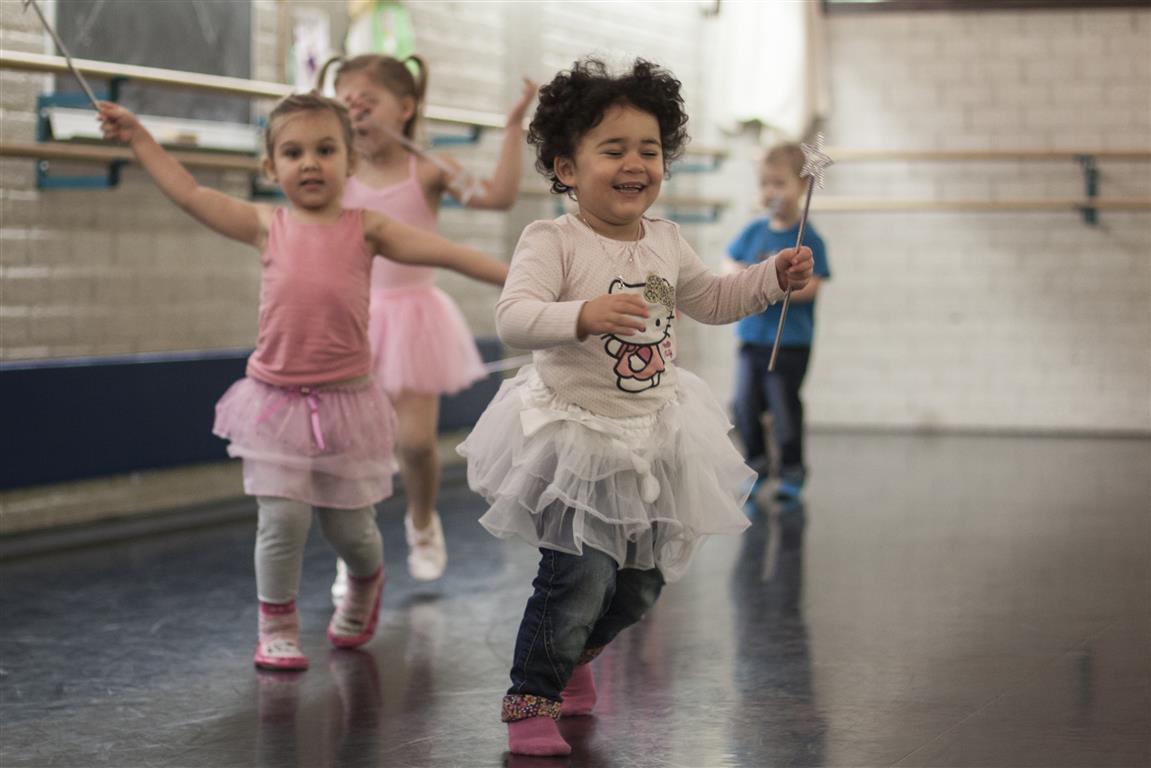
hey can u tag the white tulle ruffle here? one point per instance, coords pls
(645, 490)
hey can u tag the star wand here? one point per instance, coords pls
(814, 163)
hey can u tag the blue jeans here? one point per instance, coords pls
(580, 603)
(757, 391)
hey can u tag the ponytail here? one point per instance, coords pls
(322, 75)
(420, 80)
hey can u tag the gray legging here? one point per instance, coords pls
(283, 531)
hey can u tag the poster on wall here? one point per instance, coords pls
(311, 34)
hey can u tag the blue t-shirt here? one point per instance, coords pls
(756, 243)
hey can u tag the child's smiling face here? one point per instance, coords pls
(617, 171)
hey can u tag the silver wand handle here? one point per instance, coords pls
(787, 296)
(67, 56)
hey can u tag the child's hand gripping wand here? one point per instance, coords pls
(814, 163)
(67, 56)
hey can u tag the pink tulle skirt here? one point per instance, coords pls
(421, 342)
(327, 446)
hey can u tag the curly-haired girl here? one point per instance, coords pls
(601, 453)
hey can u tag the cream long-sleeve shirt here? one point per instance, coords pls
(560, 264)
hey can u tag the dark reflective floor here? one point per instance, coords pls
(948, 601)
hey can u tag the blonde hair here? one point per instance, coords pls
(788, 155)
(387, 72)
(306, 102)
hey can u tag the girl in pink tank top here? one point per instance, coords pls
(314, 432)
(422, 347)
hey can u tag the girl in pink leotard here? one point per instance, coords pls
(422, 347)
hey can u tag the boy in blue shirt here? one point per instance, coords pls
(782, 191)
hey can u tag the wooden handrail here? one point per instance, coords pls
(844, 154)
(39, 62)
(235, 86)
(100, 153)
(224, 161)
(844, 205)
(667, 201)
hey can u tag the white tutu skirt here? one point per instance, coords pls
(421, 342)
(645, 489)
(328, 447)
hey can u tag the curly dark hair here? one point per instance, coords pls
(574, 103)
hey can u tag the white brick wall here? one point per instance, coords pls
(944, 320)
(999, 321)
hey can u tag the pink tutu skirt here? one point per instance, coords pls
(421, 342)
(326, 446)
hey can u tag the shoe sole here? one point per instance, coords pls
(291, 664)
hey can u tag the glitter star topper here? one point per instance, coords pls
(815, 162)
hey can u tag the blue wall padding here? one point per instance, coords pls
(90, 417)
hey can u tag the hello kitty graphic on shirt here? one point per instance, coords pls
(641, 359)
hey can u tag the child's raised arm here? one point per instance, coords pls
(499, 193)
(408, 245)
(230, 216)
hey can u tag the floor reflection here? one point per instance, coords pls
(959, 601)
(778, 720)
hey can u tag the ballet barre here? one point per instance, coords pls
(849, 205)
(260, 89)
(843, 154)
(1088, 160)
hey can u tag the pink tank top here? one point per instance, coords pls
(313, 302)
(404, 202)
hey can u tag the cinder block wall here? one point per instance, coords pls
(1003, 321)
(985, 321)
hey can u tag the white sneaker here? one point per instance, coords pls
(428, 555)
(340, 585)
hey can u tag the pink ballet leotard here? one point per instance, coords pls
(419, 337)
(307, 420)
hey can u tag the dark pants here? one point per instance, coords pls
(580, 603)
(757, 391)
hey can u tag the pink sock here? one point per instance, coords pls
(537, 735)
(579, 695)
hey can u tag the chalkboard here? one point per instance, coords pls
(209, 36)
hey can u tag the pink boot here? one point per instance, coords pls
(537, 735)
(354, 621)
(279, 643)
(579, 694)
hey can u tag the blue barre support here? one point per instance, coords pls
(451, 140)
(44, 180)
(698, 167)
(1091, 181)
(674, 214)
(679, 217)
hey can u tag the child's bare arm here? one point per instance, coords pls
(501, 190)
(409, 245)
(230, 216)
